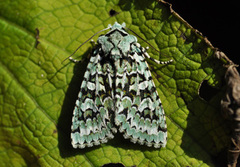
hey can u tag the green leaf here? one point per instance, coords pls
(38, 91)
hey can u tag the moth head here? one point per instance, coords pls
(116, 25)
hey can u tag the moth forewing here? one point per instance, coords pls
(118, 92)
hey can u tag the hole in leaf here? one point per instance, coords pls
(206, 91)
(113, 165)
(113, 12)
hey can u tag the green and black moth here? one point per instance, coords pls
(118, 94)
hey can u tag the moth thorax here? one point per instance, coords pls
(115, 54)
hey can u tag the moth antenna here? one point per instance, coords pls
(86, 42)
(144, 40)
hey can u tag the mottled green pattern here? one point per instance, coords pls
(118, 91)
(94, 107)
(139, 112)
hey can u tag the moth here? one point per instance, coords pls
(118, 94)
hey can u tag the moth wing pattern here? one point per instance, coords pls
(140, 115)
(91, 122)
(118, 92)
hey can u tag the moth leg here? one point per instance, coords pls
(144, 51)
(74, 60)
(93, 42)
(77, 61)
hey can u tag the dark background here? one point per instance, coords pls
(219, 21)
